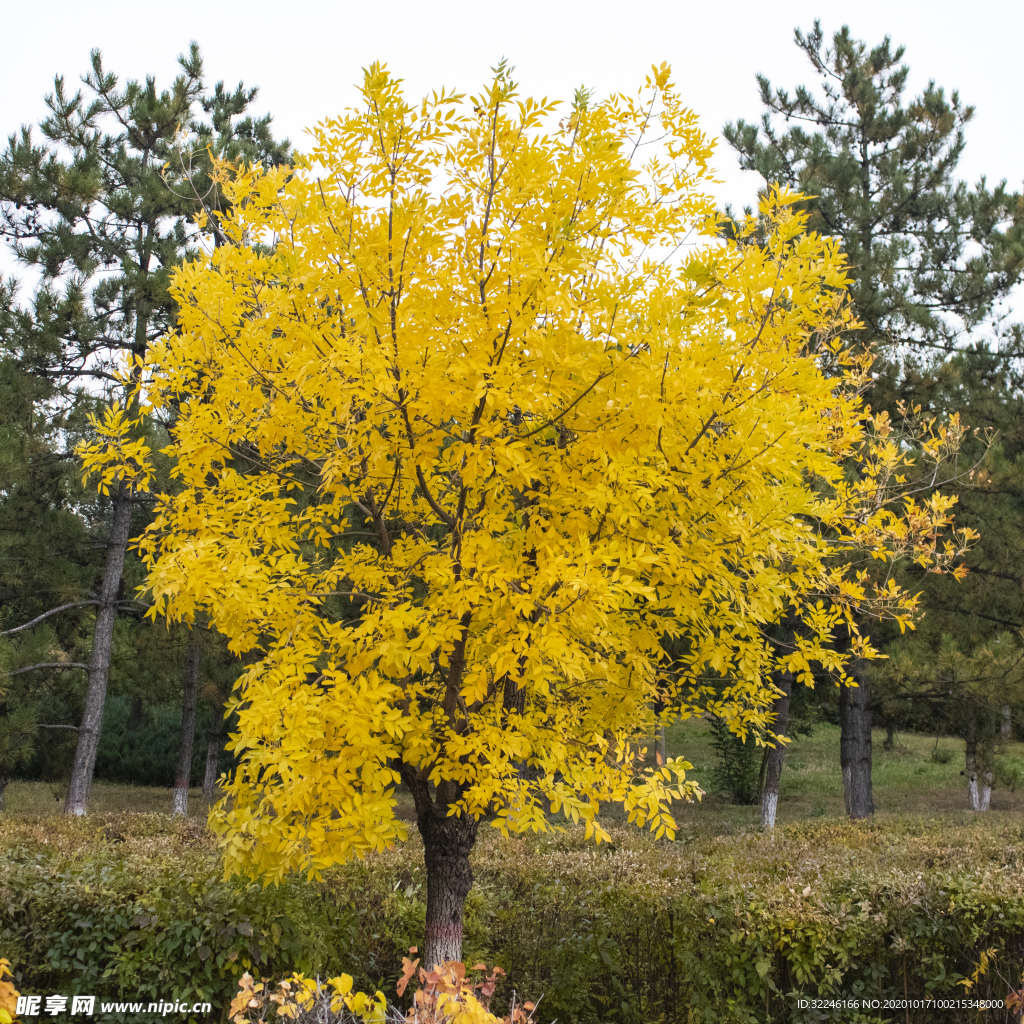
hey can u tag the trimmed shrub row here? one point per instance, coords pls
(706, 929)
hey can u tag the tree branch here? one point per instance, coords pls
(46, 664)
(46, 615)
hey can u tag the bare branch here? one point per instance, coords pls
(46, 615)
(46, 664)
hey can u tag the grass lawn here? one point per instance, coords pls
(40, 799)
(907, 781)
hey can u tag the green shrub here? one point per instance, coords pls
(1009, 772)
(148, 755)
(726, 928)
(737, 766)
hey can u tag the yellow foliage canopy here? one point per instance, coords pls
(469, 418)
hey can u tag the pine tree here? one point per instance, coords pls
(46, 558)
(931, 257)
(103, 207)
(962, 670)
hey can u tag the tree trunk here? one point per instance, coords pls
(773, 768)
(978, 765)
(662, 753)
(890, 737)
(77, 801)
(3, 786)
(135, 716)
(188, 723)
(855, 746)
(213, 744)
(985, 796)
(447, 843)
(1007, 724)
(971, 763)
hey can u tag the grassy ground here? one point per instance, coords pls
(40, 799)
(907, 780)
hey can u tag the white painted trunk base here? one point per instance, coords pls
(180, 801)
(979, 798)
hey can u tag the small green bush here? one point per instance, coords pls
(1009, 773)
(148, 755)
(737, 766)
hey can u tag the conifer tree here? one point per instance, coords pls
(46, 557)
(103, 207)
(930, 256)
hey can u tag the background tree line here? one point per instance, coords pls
(97, 207)
(113, 191)
(932, 260)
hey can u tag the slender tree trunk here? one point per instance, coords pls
(213, 753)
(775, 756)
(661, 744)
(77, 801)
(1007, 723)
(971, 763)
(3, 786)
(978, 757)
(890, 737)
(855, 746)
(135, 716)
(188, 723)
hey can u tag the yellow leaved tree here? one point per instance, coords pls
(471, 413)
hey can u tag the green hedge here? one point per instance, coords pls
(707, 928)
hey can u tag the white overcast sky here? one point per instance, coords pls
(306, 55)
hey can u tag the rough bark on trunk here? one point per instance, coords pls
(855, 746)
(1007, 723)
(188, 723)
(775, 756)
(447, 843)
(213, 753)
(77, 801)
